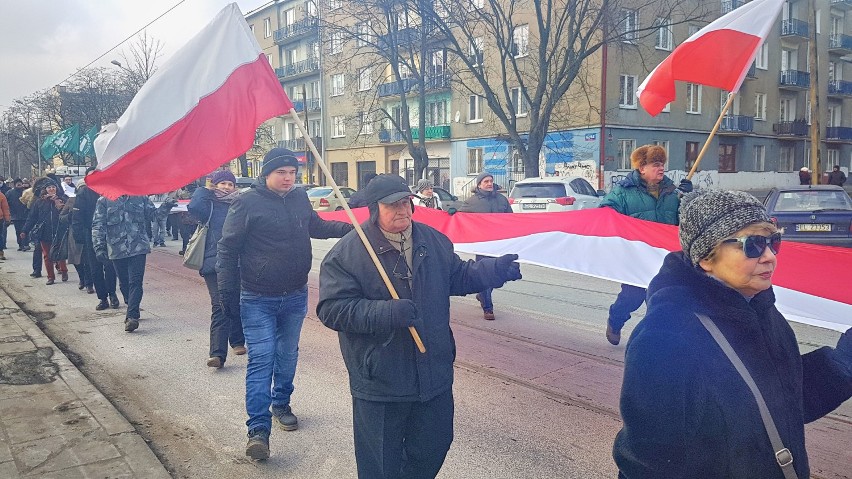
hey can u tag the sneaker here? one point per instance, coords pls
(102, 305)
(81, 286)
(113, 301)
(257, 447)
(239, 350)
(285, 418)
(614, 337)
(64, 276)
(489, 315)
(215, 362)
(130, 325)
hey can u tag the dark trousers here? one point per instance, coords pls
(102, 274)
(485, 296)
(130, 273)
(61, 266)
(83, 274)
(173, 225)
(186, 232)
(402, 439)
(37, 258)
(3, 235)
(19, 228)
(629, 300)
(224, 328)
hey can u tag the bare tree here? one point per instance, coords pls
(141, 62)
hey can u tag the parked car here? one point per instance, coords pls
(555, 193)
(820, 214)
(448, 200)
(323, 198)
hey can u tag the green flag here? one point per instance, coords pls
(87, 142)
(67, 140)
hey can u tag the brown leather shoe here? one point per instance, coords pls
(614, 337)
(49, 281)
(64, 276)
(489, 315)
(215, 362)
(239, 350)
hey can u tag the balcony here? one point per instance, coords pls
(313, 104)
(396, 88)
(307, 25)
(840, 43)
(794, 80)
(794, 29)
(838, 133)
(839, 88)
(297, 69)
(736, 124)
(298, 144)
(791, 128)
(439, 132)
(841, 4)
(730, 5)
(403, 36)
(437, 82)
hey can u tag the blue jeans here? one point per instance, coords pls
(271, 325)
(629, 300)
(158, 227)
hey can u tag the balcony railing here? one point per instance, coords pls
(842, 4)
(737, 124)
(298, 144)
(306, 25)
(795, 78)
(403, 36)
(840, 41)
(313, 104)
(730, 5)
(439, 132)
(838, 133)
(304, 66)
(396, 87)
(794, 28)
(791, 128)
(839, 87)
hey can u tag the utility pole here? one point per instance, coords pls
(813, 64)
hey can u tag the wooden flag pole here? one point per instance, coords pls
(370, 251)
(712, 134)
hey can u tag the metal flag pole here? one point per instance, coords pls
(370, 251)
(712, 134)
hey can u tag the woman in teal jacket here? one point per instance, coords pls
(648, 194)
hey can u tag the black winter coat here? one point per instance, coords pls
(266, 241)
(199, 208)
(687, 413)
(17, 209)
(486, 202)
(84, 205)
(44, 211)
(383, 362)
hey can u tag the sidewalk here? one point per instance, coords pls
(53, 422)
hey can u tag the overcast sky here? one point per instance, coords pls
(42, 42)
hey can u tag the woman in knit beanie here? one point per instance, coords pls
(686, 410)
(426, 195)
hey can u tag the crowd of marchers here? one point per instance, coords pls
(714, 384)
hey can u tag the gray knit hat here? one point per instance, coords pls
(423, 184)
(709, 216)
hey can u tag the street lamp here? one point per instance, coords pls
(117, 63)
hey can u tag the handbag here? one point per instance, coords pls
(75, 250)
(782, 455)
(35, 232)
(193, 255)
(59, 247)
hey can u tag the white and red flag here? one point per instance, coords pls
(718, 55)
(200, 110)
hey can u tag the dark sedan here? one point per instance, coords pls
(820, 214)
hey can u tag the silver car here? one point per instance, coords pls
(555, 193)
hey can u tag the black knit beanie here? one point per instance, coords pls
(277, 158)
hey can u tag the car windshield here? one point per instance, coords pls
(319, 192)
(810, 200)
(538, 190)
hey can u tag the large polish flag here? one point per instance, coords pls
(811, 282)
(200, 110)
(718, 55)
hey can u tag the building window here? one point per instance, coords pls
(315, 128)
(474, 5)
(692, 148)
(787, 109)
(365, 34)
(476, 49)
(440, 9)
(785, 158)
(759, 158)
(366, 121)
(365, 78)
(693, 29)
(340, 173)
(834, 115)
(437, 113)
(664, 34)
(630, 23)
(727, 158)
(625, 148)
(267, 28)
(289, 16)
(311, 8)
(338, 126)
(760, 106)
(664, 144)
(521, 41)
(519, 100)
(337, 83)
(762, 59)
(336, 44)
(335, 4)
(832, 159)
(693, 98)
(627, 91)
(474, 160)
(474, 112)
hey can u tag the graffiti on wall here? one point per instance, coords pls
(587, 169)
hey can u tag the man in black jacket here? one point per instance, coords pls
(266, 250)
(19, 212)
(402, 400)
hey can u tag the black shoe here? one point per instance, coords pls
(35, 275)
(258, 444)
(613, 336)
(180, 252)
(285, 418)
(102, 305)
(90, 290)
(81, 286)
(215, 362)
(113, 301)
(130, 325)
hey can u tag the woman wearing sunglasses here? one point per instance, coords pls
(687, 411)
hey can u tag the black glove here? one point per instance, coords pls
(507, 268)
(230, 302)
(403, 313)
(685, 186)
(102, 256)
(452, 211)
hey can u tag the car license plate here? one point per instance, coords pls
(535, 206)
(813, 227)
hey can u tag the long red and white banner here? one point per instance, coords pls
(811, 282)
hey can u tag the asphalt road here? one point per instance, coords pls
(536, 390)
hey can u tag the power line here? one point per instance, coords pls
(120, 43)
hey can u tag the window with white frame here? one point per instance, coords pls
(364, 32)
(337, 84)
(267, 27)
(475, 5)
(759, 158)
(785, 158)
(311, 8)
(441, 8)
(404, 71)
(692, 30)
(693, 98)
(664, 144)
(474, 112)
(834, 115)
(521, 41)
(334, 4)
(315, 128)
(665, 39)
(734, 108)
(519, 101)
(625, 148)
(474, 160)
(336, 44)
(627, 91)
(289, 16)
(476, 49)
(437, 113)
(629, 24)
(787, 109)
(365, 78)
(761, 61)
(366, 121)
(338, 126)
(832, 159)
(760, 106)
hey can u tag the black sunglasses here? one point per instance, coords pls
(755, 245)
